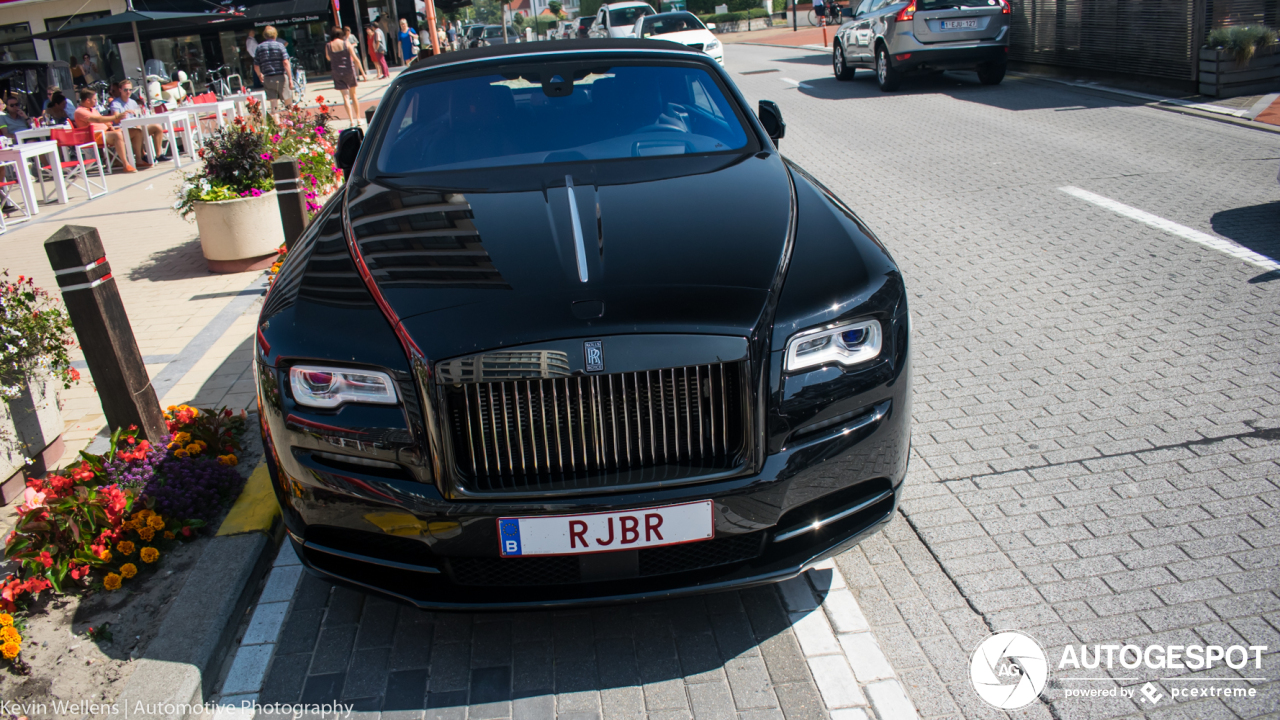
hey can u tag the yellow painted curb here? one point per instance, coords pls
(256, 509)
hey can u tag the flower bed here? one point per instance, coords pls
(108, 521)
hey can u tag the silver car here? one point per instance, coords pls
(897, 37)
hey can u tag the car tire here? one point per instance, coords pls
(993, 72)
(886, 76)
(838, 64)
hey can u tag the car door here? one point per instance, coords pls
(600, 28)
(858, 34)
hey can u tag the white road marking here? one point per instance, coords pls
(1213, 242)
(796, 83)
(846, 666)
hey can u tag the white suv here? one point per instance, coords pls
(618, 20)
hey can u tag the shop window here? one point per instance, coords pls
(15, 42)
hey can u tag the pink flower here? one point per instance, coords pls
(320, 131)
(275, 138)
(255, 192)
(266, 156)
(32, 498)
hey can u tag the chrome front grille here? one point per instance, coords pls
(584, 432)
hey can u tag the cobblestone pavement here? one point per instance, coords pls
(1095, 448)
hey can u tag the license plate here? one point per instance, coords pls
(958, 24)
(605, 531)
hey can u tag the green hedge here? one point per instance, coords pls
(730, 17)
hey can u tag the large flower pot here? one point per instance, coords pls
(30, 430)
(241, 234)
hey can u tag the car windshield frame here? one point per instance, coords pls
(634, 11)
(373, 165)
(644, 23)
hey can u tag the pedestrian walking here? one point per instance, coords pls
(377, 43)
(453, 37)
(355, 46)
(408, 43)
(271, 64)
(342, 65)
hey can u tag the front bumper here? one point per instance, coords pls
(402, 539)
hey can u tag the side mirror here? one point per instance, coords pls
(348, 148)
(770, 117)
(846, 12)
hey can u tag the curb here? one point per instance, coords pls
(175, 674)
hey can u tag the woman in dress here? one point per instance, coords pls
(377, 51)
(342, 64)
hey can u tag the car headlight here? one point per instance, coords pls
(847, 344)
(326, 387)
(713, 45)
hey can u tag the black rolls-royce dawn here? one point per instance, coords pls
(575, 332)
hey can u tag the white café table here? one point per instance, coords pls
(224, 109)
(167, 121)
(22, 154)
(44, 132)
(242, 99)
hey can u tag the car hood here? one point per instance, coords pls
(472, 270)
(685, 37)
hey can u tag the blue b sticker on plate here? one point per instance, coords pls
(509, 528)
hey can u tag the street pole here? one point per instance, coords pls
(431, 28)
(506, 12)
(146, 94)
(794, 22)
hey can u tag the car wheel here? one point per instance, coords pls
(993, 72)
(842, 69)
(886, 76)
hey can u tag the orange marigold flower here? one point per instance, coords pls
(149, 554)
(146, 534)
(111, 581)
(168, 535)
(125, 547)
(10, 650)
(144, 514)
(6, 619)
(155, 522)
(228, 459)
(10, 633)
(194, 449)
(181, 453)
(128, 570)
(105, 555)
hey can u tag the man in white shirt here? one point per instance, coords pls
(123, 102)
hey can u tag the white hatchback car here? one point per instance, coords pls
(680, 27)
(618, 20)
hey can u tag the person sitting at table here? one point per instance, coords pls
(87, 116)
(123, 102)
(69, 108)
(15, 117)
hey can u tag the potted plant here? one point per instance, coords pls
(234, 200)
(1239, 61)
(34, 359)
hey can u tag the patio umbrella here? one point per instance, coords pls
(127, 21)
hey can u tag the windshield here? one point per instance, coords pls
(514, 118)
(628, 15)
(669, 23)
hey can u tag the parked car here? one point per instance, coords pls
(680, 27)
(618, 20)
(574, 331)
(584, 26)
(486, 35)
(915, 36)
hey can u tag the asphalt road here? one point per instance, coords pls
(1095, 446)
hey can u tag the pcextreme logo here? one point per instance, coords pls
(1009, 669)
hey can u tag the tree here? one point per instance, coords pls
(517, 19)
(556, 8)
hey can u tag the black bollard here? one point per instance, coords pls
(291, 195)
(94, 306)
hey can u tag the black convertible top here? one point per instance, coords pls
(549, 46)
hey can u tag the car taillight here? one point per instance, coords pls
(1005, 7)
(907, 12)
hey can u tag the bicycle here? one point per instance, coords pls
(830, 17)
(299, 79)
(220, 81)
